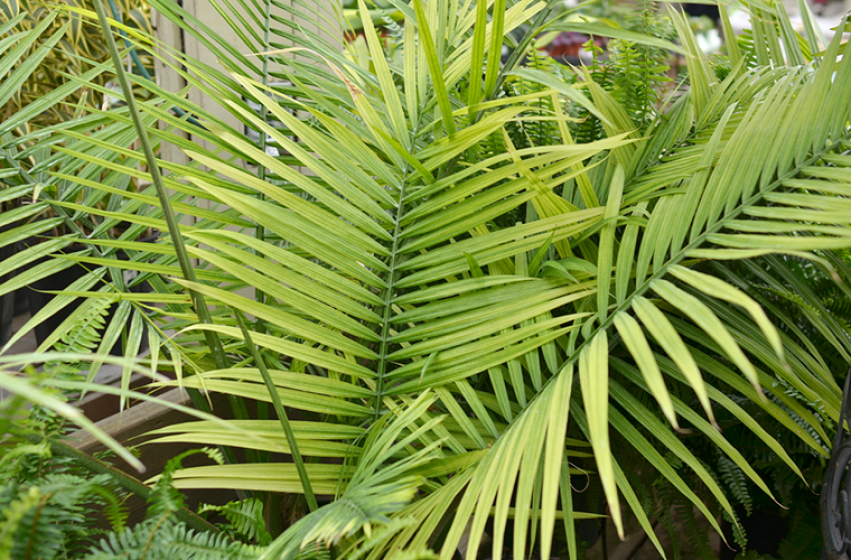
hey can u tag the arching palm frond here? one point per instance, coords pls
(400, 258)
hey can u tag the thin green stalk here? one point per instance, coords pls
(282, 414)
(137, 62)
(165, 202)
(265, 80)
(121, 478)
(384, 351)
(396, 259)
(200, 304)
(535, 29)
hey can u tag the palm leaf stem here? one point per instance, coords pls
(165, 202)
(395, 259)
(282, 414)
(200, 304)
(680, 255)
(259, 231)
(514, 58)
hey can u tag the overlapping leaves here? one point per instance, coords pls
(376, 269)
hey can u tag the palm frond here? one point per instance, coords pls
(393, 264)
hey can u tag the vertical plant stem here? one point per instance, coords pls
(265, 81)
(165, 202)
(212, 339)
(517, 54)
(282, 414)
(395, 261)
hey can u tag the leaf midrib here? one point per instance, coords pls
(394, 260)
(680, 255)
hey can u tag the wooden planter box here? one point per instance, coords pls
(129, 425)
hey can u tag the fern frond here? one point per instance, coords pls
(51, 513)
(166, 539)
(165, 498)
(696, 536)
(14, 512)
(735, 479)
(12, 459)
(739, 534)
(245, 518)
(804, 540)
(86, 334)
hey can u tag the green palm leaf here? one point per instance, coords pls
(402, 258)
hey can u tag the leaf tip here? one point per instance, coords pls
(672, 419)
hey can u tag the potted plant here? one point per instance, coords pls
(36, 100)
(17, 182)
(504, 302)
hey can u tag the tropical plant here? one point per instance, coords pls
(545, 295)
(59, 503)
(22, 54)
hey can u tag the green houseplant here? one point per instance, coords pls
(42, 47)
(25, 49)
(511, 304)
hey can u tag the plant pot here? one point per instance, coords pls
(38, 297)
(7, 302)
(7, 312)
(764, 529)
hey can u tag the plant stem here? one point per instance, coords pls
(282, 414)
(395, 261)
(212, 338)
(514, 58)
(259, 231)
(165, 202)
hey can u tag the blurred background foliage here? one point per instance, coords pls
(83, 42)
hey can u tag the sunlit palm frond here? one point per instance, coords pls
(394, 261)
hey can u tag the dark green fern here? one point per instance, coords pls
(52, 508)
(736, 482)
(166, 539)
(245, 519)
